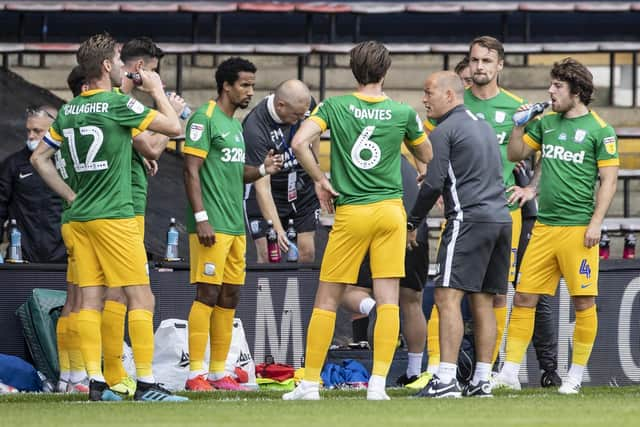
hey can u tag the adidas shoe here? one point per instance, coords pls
(550, 379)
(306, 390)
(100, 391)
(403, 380)
(126, 387)
(62, 386)
(504, 382)
(227, 383)
(482, 389)
(147, 392)
(437, 389)
(198, 383)
(421, 381)
(376, 388)
(81, 386)
(569, 386)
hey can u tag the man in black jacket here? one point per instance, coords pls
(26, 198)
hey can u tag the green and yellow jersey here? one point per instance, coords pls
(366, 135)
(217, 138)
(572, 151)
(93, 131)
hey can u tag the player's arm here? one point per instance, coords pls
(604, 196)
(522, 195)
(150, 145)
(166, 120)
(41, 161)
(309, 132)
(272, 164)
(524, 141)
(268, 209)
(192, 165)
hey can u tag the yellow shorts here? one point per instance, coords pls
(224, 262)
(140, 222)
(111, 253)
(67, 237)
(556, 251)
(378, 228)
(516, 229)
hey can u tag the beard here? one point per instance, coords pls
(481, 79)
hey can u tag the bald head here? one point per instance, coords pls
(291, 100)
(443, 91)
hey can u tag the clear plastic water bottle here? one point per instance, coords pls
(186, 112)
(605, 242)
(15, 243)
(522, 117)
(292, 236)
(1, 258)
(273, 249)
(172, 242)
(629, 251)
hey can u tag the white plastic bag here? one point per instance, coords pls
(171, 354)
(240, 356)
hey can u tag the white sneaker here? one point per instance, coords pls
(504, 382)
(376, 388)
(569, 386)
(62, 386)
(306, 390)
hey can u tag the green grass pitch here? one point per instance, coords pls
(595, 406)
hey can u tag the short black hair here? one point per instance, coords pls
(75, 80)
(228, 71)
(140, 47)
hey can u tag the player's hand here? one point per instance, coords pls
(520, 195)
(151, 82)
(592, 235)
(283, 242)
(521, 167)
(176, 102)
(326, 194)
(420, 178)
(440, 203)
(273, 162)
(524, 107)
(412, 241)
(151, 166)
(206, 234)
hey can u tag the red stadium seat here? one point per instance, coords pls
(148, 7)
(273, 7)
(431, 7)
(32, 6)
(90, 6)
(603, 7)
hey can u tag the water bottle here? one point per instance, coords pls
(522, 117)
(273, 249)
(1, 258)
(15, 243)
(629, 251)
(605, 241)
(186, 112)
(292, 236)
(172, 242)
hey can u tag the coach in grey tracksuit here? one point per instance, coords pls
(474, 252)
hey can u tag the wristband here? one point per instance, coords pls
(262, 170)
(201, 216)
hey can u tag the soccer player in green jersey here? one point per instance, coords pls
(138, 53)
(577, 146)
(94, 131)
(367, 130)
(214, 176)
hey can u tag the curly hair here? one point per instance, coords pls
(578, 77)
(229, 71)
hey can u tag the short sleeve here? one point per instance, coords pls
(53, 138)
(533, 134)
(129, 112)
(607, 148)
(414, 133)
(321, 114)
(197, 139)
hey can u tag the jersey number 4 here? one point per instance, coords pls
(88, 165)
(365, 145)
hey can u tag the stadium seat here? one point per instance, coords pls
(91, 6)
(365, 8)
(178, 49)
(603, 7)
(6, 49)
(268, 7)
(148, 7)
(216, 8)
(541, 7)
(301, 51)
(332, 10)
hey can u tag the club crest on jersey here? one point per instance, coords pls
(580, 135)
(135, 106)
(500, 116)
(610, 144)
(195, 131)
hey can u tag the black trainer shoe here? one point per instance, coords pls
(155, 393)
(437, 389)
(403, 380)
(550, 379)
(100, 391)
(482, 389)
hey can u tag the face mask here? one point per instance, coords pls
(32, 144)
